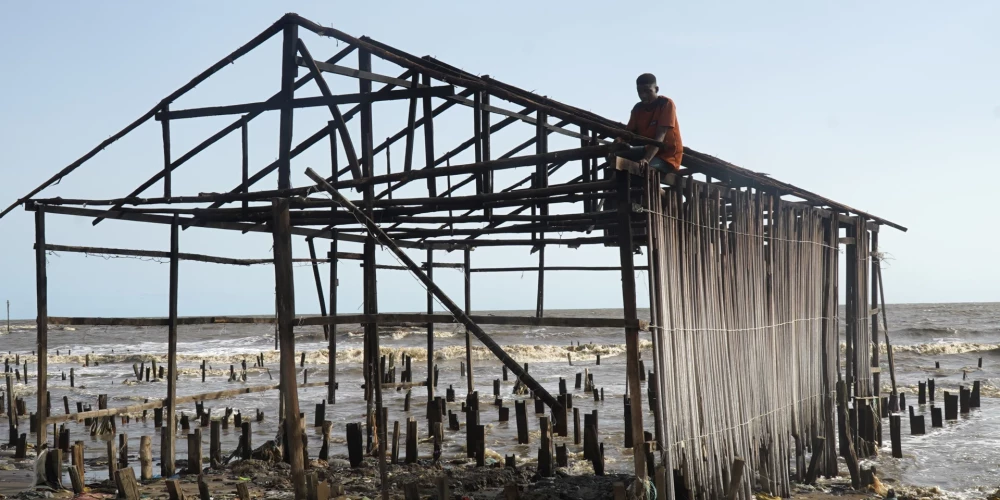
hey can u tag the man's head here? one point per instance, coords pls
(646, 86)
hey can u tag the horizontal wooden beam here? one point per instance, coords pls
(565, 155)
(306, 102)
(444, 265)
(127, 252)
(381, 318)
(549, 268)
(230, 226)
(352, 319)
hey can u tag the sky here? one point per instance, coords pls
(890, 107)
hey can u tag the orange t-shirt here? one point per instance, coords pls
(645, 119)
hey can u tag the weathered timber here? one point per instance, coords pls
(286, 314)
(446, 301)
(306, 102)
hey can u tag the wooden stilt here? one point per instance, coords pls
(41, 330)
(286, 316)
(625, 246)
(430, 329)
(467, 267)
(319, 285)
(167, 468)
(331, 389)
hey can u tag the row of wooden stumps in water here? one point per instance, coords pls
(866, 427)
(550, 455)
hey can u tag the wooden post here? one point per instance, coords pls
(411, 441)
(395, 443)
(467, 267)
(145, 458)
(112, 457)
(42, 329)
(203, 492)
(894, 434)
(625, 248)
(167, 455)
(521, 415)
(319, 285)
(354, 450)
(285, 287)
(429, 137)
(215, 444)
(289, 71)
(371, 288)
(245, 167)
(331, 390)
(845, 435)
(430, 330)
(247, 437)
(165, 130)
(11, 411)
(194, 452)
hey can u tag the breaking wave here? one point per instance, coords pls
(944, 348)
(520, 352)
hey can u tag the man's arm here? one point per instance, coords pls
(629, 127)
(661, 133)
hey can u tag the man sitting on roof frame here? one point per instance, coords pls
(654, 117)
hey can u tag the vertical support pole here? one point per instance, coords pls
(485, 140)
(477, 135)
(430, 333)
(541, 181)
(334, 158)
(331, 396)
(319, 286)
(170, 430)
(410, 121)
(289, 71)
(467, 271)
(165, 128)
(285, 288)
(585, 165)
(42, 329)
(625, 247)
(371, 295)
(540, 299)
(245, 167)
(429, 138)
(851, 319)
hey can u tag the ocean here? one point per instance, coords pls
(962, 459)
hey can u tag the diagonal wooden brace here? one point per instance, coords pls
(457, 311)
